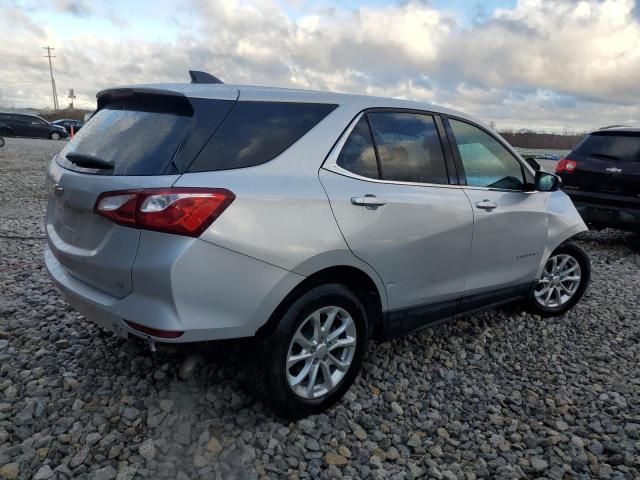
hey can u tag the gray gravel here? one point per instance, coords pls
(500, 394)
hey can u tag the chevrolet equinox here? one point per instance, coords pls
(312, 222)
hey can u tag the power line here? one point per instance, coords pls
(53, 82)
(22, 82)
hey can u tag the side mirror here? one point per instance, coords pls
(533, 164)
(547, 182)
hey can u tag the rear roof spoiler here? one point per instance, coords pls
(112, 94)
(203, 77)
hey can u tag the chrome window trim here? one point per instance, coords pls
(331, 165)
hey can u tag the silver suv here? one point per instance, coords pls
(311, 222)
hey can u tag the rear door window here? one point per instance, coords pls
(138, 136)
(257, 132)
(358, 154)
(409, 147)
(606, 146)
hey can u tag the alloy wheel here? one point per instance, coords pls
(320, 352)
(559, 282)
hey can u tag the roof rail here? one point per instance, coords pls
(613, 126)
(203, 77)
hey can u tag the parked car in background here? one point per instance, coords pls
(68, 123)
(23, 125)
(311, 222)
(602, 177)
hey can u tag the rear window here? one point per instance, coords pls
(409, 147)
(256, 132)
(139, 136)
(617, 148)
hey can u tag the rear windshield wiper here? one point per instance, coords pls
(89, 161)
(604, 155)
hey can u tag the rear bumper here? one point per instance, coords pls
(206, 291)
(607, 215)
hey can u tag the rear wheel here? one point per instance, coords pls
(54, 136)
(564, 279)
(313, 356)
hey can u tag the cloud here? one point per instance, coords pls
(542, 63)
(77, 8)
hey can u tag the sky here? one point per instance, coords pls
(553, 65)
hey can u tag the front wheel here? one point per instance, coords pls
(314, 355)
(55, 136)
(564, 279)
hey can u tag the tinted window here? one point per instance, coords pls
(409, 147)
(358, 155)
(256, 132)
(139, 137)
(486, 162)
(624, 148)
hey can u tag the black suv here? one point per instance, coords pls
(602, 177)
(23, 125)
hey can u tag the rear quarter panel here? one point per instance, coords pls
(281, 214)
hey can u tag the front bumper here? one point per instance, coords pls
(208, 292)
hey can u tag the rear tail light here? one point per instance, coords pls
(565, 165)
(182, 211)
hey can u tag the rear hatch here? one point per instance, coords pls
(607, 163)
(137, 139)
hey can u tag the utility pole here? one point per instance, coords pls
(53, 82)
(71, 97)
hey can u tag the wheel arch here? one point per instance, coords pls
(356, 279)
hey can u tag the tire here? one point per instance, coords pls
(560, 301)
(1, 142)
(271, 377)
(55, 136)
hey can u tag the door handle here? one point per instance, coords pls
(369, 201)
(487, 205)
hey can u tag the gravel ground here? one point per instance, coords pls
(500, 394)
